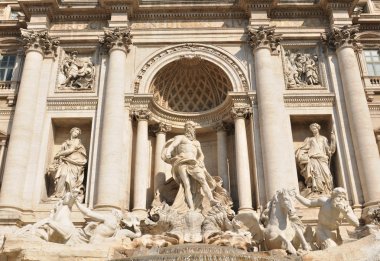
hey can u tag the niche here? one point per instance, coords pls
(67, 157)
(315, 154)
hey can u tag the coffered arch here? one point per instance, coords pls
(232, 68)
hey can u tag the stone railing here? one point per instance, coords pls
(372, 81)
(8, 86)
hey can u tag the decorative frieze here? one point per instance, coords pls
(341, 36)
(40, 41)
(264, 37)
(117, 38)
(71, 104)
(309, 100)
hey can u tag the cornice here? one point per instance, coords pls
(296, 13)
(309, 100)
(65, 104)
(187, 15)
(177, 119)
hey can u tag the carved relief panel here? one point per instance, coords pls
(303, 68)
(76, 72)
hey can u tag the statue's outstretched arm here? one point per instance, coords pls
(89, 213)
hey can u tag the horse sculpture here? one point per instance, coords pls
(283, 228)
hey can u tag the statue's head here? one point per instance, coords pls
(339, 192)
(190, 130)
(75, 132)
(339, 198)
(314, 127)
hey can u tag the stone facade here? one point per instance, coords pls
(252, 75)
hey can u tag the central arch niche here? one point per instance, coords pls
(190, 85)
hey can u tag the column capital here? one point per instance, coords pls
(116, 39)
(39, 40)
(263, 37)
(221, 126)
(240, 112)
(142, 114)
(162, 128)
(342, 36)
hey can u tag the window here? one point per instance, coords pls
(372, 58)
(7, 63)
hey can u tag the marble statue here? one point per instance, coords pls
(67, 169)
(57, 227)
(108, 226)
(313, 158)
(78, 73)
(301, 69)
(282, 225)
(331, 208)
(185, 155)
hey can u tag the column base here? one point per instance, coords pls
(104, 207)
(140, 213)
(244, 210)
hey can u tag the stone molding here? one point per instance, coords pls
(59, 104)
(116, 38)
(39, 41)
(342, 36)
(264, 37)
(213, 54)
(309, 100)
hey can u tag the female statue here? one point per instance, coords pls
(69, 165)
(313, 157)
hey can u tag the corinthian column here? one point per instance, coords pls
(221, 134)
(159, 164)
(110, 172)
(37, 44)
(141, 176)
(278, 157)
(367, 155)
(242, 161)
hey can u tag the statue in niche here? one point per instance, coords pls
(67, 169)
(331, 208)
(301, 69)
(313, 158)
(185, 155)
(79, 74)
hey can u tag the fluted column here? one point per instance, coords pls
(221, 133)
(277, 153)
(141, 176)
(366, 153)
(242, 160)
(110, 172)
(159, 164)
(37, 44)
